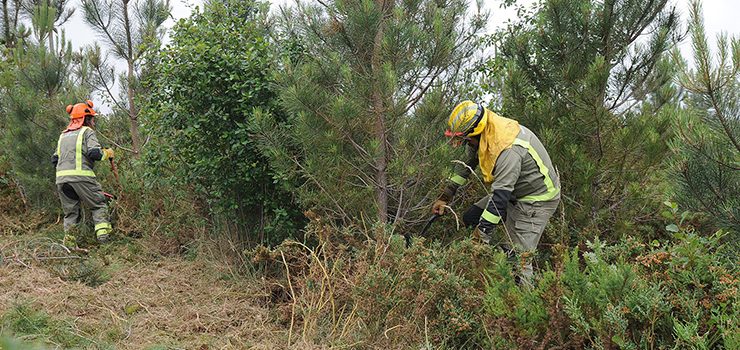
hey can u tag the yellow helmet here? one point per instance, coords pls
(467, 119)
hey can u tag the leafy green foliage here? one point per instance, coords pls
(204, 89)
(669, 293)
(630, 295)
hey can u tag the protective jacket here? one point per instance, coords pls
(77, 151)
(522, 172)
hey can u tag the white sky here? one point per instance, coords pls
(719, 16)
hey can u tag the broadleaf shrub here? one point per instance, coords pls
(203, 92)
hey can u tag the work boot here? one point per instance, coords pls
(102, 232)
(103, 238)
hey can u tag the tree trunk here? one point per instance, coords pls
(381, 133)
(6, 24)
(132, 112)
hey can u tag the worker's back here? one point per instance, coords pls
(74, 163)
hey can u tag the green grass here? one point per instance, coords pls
(9, 343)
(24, 322)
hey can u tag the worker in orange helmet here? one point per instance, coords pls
(77, 151)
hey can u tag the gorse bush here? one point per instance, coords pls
(630, 295)
(377, 293)
(675, 293)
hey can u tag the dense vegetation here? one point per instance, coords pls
(305, 142)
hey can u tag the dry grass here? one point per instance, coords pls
(171, 301)
(146, 299)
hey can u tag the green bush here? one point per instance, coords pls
(204, 88)
(349, 289)
(630, 295)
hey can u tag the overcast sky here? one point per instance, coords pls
(719, 16)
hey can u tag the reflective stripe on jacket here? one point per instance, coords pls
(77, 150)
(523, 172)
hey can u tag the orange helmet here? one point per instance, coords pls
(77, 114)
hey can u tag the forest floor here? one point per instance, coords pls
(124, 295)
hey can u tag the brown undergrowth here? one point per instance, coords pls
(141, 303)
(131, 294)
(353, 289)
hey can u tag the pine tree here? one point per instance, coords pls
(591, 79)
(707, 149)
(9, 22)
(131, 30)
(43, 82)
(367, 89)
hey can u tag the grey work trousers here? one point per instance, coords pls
(523, 229)
(72, 194)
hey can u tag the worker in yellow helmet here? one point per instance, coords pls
(77, 151)
(525, 188)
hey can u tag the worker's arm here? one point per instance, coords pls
(55, 157)
(94, 151)
(505, 173)
(461, 174)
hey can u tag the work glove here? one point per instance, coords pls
(438, 207)
(109, 154)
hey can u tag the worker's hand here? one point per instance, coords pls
(109, 154)
(438, 207)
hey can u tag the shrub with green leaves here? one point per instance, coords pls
(678, 293)
(204, 87)
(674, 293)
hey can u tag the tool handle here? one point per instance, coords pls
(429, 223)
(114, 168)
